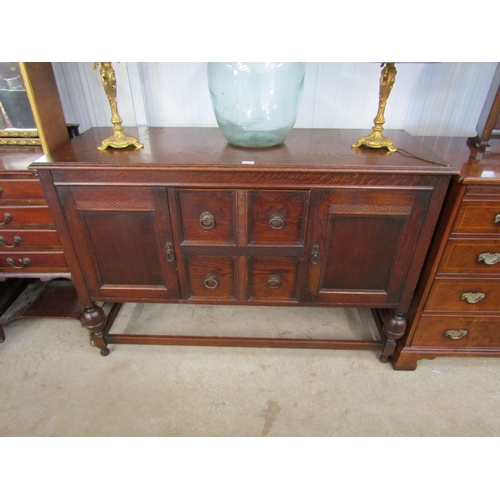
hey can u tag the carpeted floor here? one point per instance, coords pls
(53, 383)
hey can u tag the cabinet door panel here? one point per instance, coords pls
(120, 236)
(363, 242)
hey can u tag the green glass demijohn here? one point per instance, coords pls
(256, 104)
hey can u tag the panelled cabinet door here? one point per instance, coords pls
(361, 244)
(123, 240)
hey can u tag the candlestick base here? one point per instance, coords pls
(375, 140)
(120, 140)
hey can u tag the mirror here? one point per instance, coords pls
(17, 123)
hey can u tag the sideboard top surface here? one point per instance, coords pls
(312, 149)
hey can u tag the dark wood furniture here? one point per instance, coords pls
(191, 219)
(29, 244)
(456, 308)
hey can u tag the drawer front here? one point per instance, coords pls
(207, 217)
(28, 262)
(17, 189)
(28, 215)
(274, 278)
(477, 216)
(457, 331)
(22, 239)
(464, 295)
(277, 217)
(471, 256)
(211, 277)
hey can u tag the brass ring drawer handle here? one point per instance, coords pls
(211, 281)
(276, 221)
(6, 218)
(207, 220)
(489, 258)
(17, 241)
(25, 262)
(473, 297)
(274, 281)
(455, 334)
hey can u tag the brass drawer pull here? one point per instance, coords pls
(211, 281)
(276, 221)
(25, 262)
(17, 241)
(169, 249)
(315, 255)
(455, 334)
(489, 258)
(207, 220)
(497, 218)
(6, 218)
(473, 297)
(274, 281)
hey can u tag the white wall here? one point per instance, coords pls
(427, 99)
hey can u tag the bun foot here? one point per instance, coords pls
(383, 358)
(104, 351)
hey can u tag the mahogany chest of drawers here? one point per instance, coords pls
(456, 310)
(191, 219)
(29, 245)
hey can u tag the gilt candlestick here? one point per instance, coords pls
(119, 139)
(376, 139)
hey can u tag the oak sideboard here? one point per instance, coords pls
(192, 219)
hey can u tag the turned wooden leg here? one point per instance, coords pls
(394, 328)
(94, 319)
(387, 350)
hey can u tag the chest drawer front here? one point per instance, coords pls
(464, 295)
(274, 278)
(471, 256)
(22, 239)
(277, 217)
(21, 189)
(457, 331)
(32, 261)
(477, 216)
(211, 277)
(207, 217)
(28, 215)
